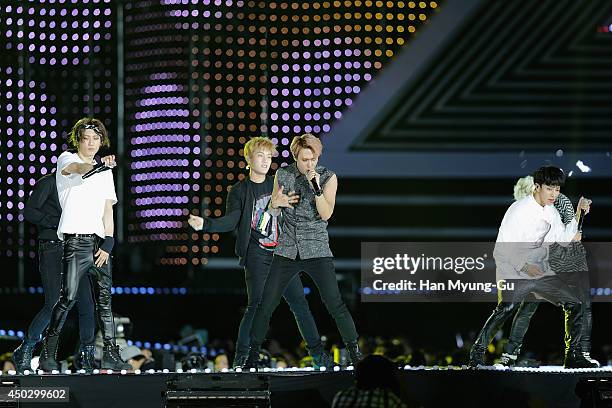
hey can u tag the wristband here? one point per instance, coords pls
(108, 244)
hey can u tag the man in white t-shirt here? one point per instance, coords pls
(87, 195)
(521, 260)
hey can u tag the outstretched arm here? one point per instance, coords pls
(82, 168)
(228, 222)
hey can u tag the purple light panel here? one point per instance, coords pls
(50, 75)
(208, 75)
(201, 88)
(201, 78)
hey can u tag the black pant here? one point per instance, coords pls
(78, 262)
(578, 282)
(282, 271)
(50, 267)
(550, 288)
(256, 270)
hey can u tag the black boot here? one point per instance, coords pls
(322, 359)
(22, 356)
(48, 355)
(508, 360)
(111, 360)
(87, 359)
(240, 359)
(476, 357)
(252, 360)
(586, 352)
(355, 356)
(587, 355)
(575, 359)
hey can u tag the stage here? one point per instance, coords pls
(421, 387)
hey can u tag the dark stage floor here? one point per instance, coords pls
(421, 387)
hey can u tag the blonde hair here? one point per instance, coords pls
(306, 141)
(258, 143)
(523, 187)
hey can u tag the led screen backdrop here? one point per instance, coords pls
(196, 80)
(56, 65)
(201, 78)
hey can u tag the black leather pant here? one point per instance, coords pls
(578, 282)
(50, 255)
(78, 261)
(550, 288)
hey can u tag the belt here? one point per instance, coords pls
(80, 235)
(49, 241)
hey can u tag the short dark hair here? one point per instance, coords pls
(76, 134)
(549, 175)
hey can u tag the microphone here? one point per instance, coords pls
(98, 168)
(315, 185)
(580, 217)
(580, 220)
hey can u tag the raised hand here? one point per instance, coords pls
(197, 223)
(584, 204)
(314, 175)
(109, 161)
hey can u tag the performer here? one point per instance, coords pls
(518, 256)
(304, 243)
(43, 209)
(257, 237)
(87, 195)
(570, 265)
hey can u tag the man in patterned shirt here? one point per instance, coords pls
(304, 243)
(257, 231)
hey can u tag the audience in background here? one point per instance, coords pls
(137, 358)
(221, 362)
(6, 363)
(397, 349)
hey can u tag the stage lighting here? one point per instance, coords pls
(222, 72)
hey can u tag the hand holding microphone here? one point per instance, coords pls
(315, 180)
(583, 205)
(107, 163)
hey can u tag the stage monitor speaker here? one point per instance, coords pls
(223, 390)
